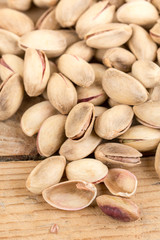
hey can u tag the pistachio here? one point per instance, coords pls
(121, 182)
(155, 33)
(107, 36)
(99, 54)
(80, 121)
(119, 58)
(118, 154)
(117, 3)
(53, 67)
(45, 3)
(87, 169)
(112, 103)
(73, 150)
(158, 56)
(19, 4)
(34, 116)
(123, 88)
(99, 110)
(141, 138)
(61, 93)
(100, 13)
(118, 208)
(76, 69)
(70, 195)
(47, 173)
(114, 122)
(70, 36)
(51, 135)
(154, 94)
(157, 161)
(156, 3)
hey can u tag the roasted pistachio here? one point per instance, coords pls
(45, 3)
(99, 110)
(157, 161)
(155, 33)
(19, 4)
(154, 94)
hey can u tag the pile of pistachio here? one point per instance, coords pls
(96, 65)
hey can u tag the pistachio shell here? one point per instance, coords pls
(45, 3)
(99, 54)
(99, 110)
(80, 121)
(70, 195)
(112, 103)
(19, 4)
(156, 3)
(117, 3)
(157, 161)
(70, 36)
(47, 173)
(123, 88)
(155, 33)
(118, 154)
(154, 94)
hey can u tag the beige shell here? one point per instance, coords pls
(76, 69)
(112, 103)
(117, 3)
(121, 182)
(47, 173)
(154, 94)
(157, 161)
(155, 32)
(19, 4)
(99, 110)
(51, 135)
(34, 116)
(45, 3)
(118, 154)
(70, 195)
(123, 88)
(99, 54)
(80, 120)
(156, 3)
(70, 36)
(141, 138)
(61, 93)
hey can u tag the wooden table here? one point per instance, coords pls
(24, 216)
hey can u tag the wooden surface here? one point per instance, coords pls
(24, 216)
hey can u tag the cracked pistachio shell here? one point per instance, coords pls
(45, 3)
(61, 93)
(121, 182)
(11, 96)
(119, 58)
(147, 72)
(155, 33)
(73, 150)
(67, 14)
(154, 94)
(100, 13)
(19, 4)
(141, 138)
(80, 120)
(80, 49)
(99, 110)
(114, 122)
(9, 43)
(76, 69)
(15, 21)
(35, 81)
(70, 195)
(87, 169)
(123, 88)
(51, 135)
(10, 64)
(148, 114)
(138, 12)
(141, 44)
(107, 36)
(34, 116)
(47, 173)
(157, 161)
(121, 209)
(118, 154)
(52, 42)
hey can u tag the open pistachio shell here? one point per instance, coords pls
(47, 173)
(87, 169)
(121, 182)
(157, 161)
(70, 195)
(114, 122)
(118, 154)
(19, 4)
(80, 121)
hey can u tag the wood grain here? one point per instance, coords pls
(25, 216)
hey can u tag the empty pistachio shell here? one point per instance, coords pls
(10, 64)
(138, 12)
(19, 4)
(80, 121)
(118, 208)
(76, 69)
(61, 93)
(121, 182)
(141, 44)
(45, 3)
(123, 88)
(107, 36)
(100, 13)
(47, 173)
(87, 169)
(52, 42)
(155, 33)
(154, 94)
(34, 116)
(70, 195)
(157, 161)
(141, 138)
(11, 96)
(118, 154)
(99, 110)
(114, 122)
(15, 21)
(35, 81)
(51, 135)
(119, 58)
